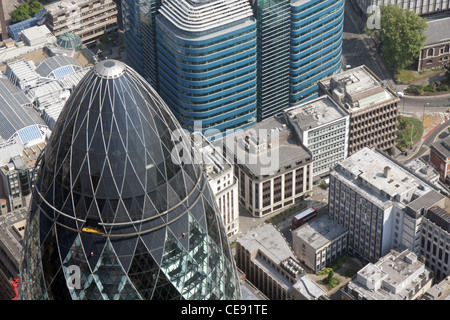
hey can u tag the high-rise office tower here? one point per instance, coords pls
(140, 37)
(316, 45)
(274, 23)
(117, 212)
(210, 54)
(207, 62)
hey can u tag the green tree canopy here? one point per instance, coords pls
(21, 13)
(402, 36)
(35, 7)
(26, 11)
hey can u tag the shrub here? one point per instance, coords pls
(415, 89)
(443, 87)
(324, 271)
(430, 88)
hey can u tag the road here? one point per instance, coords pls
(422, 147)
(424, 104)
(359, 49)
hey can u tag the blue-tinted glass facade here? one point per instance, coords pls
(316, 45)
(140, 37)
(208, 73)
(273, 19)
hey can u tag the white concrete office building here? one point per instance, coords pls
(319, 242)
(322, 126)
(369, 194)
(274, 169)
(396, 276)
(223, 182)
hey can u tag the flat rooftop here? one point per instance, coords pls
(266, 239)
(66, 5)
(396, 274)
(440, 291)
(320, 232)
(381, 179)
(315, 113)
(267, 146)
(269, 240)
(28, 157)
(212, 156)
(357, 89)
(11, 233)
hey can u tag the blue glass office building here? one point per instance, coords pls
(273, 20)
(207, 62)
(229, 63)
(316, 45)
(140, 37)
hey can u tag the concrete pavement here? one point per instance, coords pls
(318, 200)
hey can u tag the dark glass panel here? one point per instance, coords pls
(58, 289)
(143, 271)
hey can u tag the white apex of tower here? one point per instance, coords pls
(110, 69)
(203, 15)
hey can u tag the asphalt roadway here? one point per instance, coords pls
(422, 148)
(359, 49)
(424, 104)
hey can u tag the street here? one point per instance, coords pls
(424, 104)
(359, 49)
(421, 149)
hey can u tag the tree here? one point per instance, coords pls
(35, 7)
(329, 279)
(402, 36)
(21, 13)
(26, 11)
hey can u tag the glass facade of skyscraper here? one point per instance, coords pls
(273, 19)
(116, 213)
(140, 37)
(316, 45)
(207, 62)
(207, 54)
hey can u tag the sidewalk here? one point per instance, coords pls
(416, 148)
(402, 157)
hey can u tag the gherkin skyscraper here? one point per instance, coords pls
(118, 210)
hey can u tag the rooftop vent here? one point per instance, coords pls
(387, 171)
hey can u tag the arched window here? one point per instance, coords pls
(447, 48)
(430, 53)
